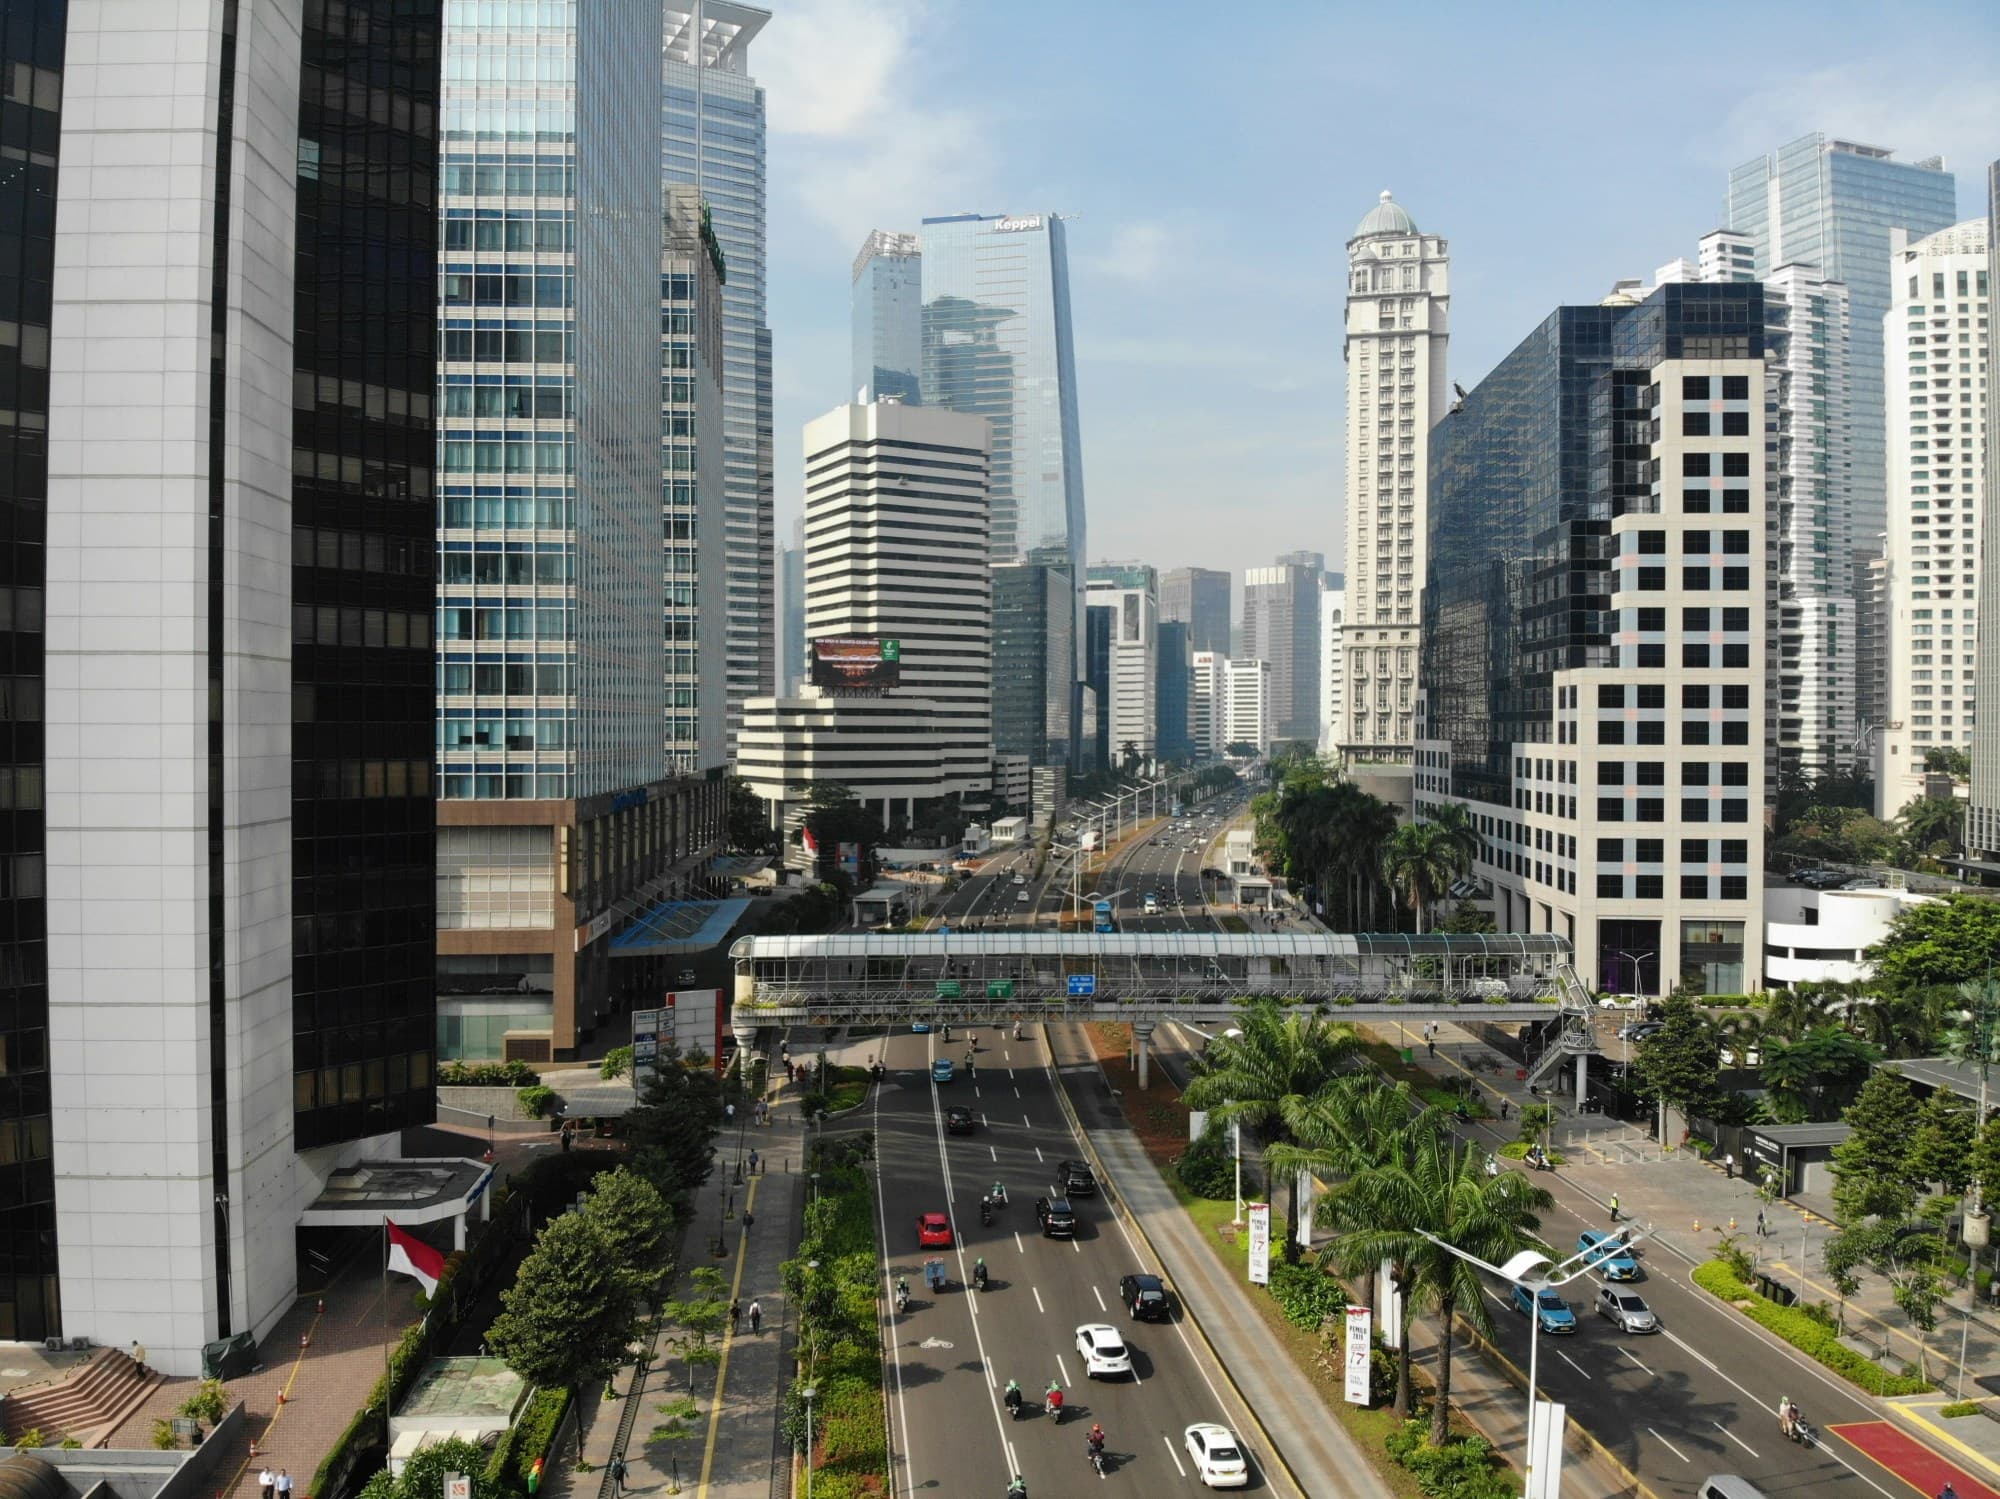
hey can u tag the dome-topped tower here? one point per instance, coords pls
(1386, 217)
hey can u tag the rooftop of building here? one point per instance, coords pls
(726, 32)
(480, 1387)
(1386, 217)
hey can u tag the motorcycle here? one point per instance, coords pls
(902, 1300)
(1096, 1460)
(1016, 1406)
(985, 1211)
(979, 1277)
(1803, 1433)
(1017, 1030)
(1052, 1408)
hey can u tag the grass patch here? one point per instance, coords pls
(847, 1088)
(1959, 1408)
(1806, 1333)
(1232, 923)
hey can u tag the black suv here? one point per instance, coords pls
(1075, 1179)
(1057, 1217)
(958, 1120)
(1144, 1297)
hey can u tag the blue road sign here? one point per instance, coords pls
(1082, 985)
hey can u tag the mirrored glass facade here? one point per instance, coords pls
(888, 311)
(1034, 648)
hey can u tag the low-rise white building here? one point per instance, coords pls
(1822, 936)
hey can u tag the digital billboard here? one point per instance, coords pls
(856, 664)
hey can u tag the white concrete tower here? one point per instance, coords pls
(1936, 402)
(1398, 304)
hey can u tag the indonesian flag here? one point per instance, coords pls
(411, 1256)
(811, 843)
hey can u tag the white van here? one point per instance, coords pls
(1152, 905)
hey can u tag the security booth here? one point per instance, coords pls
(1800, 1154)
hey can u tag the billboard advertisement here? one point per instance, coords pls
(1260, 1243)
(859, 665)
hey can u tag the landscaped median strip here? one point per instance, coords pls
(1804, 1332)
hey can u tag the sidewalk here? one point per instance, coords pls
(735, 1451)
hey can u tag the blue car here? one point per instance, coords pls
(921, 1027)
(1614, 1261)
(941, 1070)
(1550, 1309)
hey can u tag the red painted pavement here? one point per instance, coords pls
(1911, 1461)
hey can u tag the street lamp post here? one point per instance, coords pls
(809, 1392)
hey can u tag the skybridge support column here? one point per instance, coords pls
(1582, 1079)
(1142, 1042)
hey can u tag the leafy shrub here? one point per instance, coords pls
(514, 1074)
(1517, 1150)
(33, 1437)
(514, 1455)
(1960, 1408)
(1806, 1333)
(1208, 1170)
(1306, 1294)
(209, 1402)
(1462, 1469)
(69, 1444)
(535, 1101)
(163, 1437)
(617, 1062)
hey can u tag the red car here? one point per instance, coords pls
(933, 1231)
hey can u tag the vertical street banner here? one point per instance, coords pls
(1197, 1123)
(1359, 1321)
(1260, 1243)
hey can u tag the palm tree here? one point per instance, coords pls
(1928, 821)
(1420, 861)
(1266, 1079)
(1452, 819)
(1410, 1214)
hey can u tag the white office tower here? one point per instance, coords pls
(898, 617)
(1208, 702)
(1332, 612)
(712, 135)
(1251, 716)
(1398, 305)
(1131, 590)
(1982, 823)
(1935, 396)
(1810, 611)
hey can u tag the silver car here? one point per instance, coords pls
(1627, 1309)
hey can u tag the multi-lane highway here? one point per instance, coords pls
(951, 1354)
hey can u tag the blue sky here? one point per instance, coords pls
(1217, 157)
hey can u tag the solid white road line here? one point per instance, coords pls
(1100, 1301)
(1038, 1300)
(1038, 1152)
(895, 1344)
(1668, 1445)
(1738, 1440)
(1067, 1383)
(1027, 1123)
(993, 1151)
(1173, 1454)
(1018, 1245)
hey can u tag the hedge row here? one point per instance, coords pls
(513, 1459)
(840, 1234)
(515, 1074)
(1463, 1468)
(1806, 1333)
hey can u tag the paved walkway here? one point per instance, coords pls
(735, 1450)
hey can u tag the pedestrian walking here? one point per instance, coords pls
(729, 1113)
(284, 1485)
(1503, 1111)
(1729, 1166)
(139, 1355)
(265, 1479)
(1614, 1207)
(736, 1315)
(756, 1318)
(1763, 1230)
(753, 1163)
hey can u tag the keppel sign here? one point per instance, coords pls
(1017, 226)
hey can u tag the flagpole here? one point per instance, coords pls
(388, 1393)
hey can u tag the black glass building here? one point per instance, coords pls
(1034, 648)
(1172, 688)
(1100, 624)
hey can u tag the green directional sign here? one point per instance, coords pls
(999, 988)
(950, 989)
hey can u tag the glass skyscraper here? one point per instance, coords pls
(1831, 204)
(712, 135)
(1034, 651)
(888, 344)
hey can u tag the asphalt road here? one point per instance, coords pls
(953, 1353)
(1698, 1398)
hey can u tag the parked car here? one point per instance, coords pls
(1639, 1030)
(1627, 1309)
(1549, 1308)
(1144, 1297)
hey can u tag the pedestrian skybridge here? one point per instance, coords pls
(878, 978)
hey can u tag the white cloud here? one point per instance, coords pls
(1955, 112)
(1137, 252)
(852, 145)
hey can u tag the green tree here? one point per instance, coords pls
(1985, 1162)
(1466, 920)
(1946, 760)
(748, 820)
(1420, 861)
(1941, 1150)
(567, 1317)
(1400, 1213)
(1846, 1253)
(700, 1319)
(1265, 1080)
(1459, 827)
(1932, 826)
(672, 1130)
(1947, 941)
(1871, 1167)
(1816, 1076)
(1678, 1062)
(423, 1474)
(634, 1219)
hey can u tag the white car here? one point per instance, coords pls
(1102, 1350)
(1217, 1456)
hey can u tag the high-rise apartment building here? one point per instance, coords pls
(1252, 718)
(691, 484)
(1811, 610)
(569, 467)
(1982, 825)
(1173, 737)
(1593, 635)
(1398, 328)
(1332, 615)
(899, 618)
(217, 950)
(1281, 628)
(711, 134)
(1936, 397)
(1131, 590)
(1034, 659)
(1200, 596)
(888, 311)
